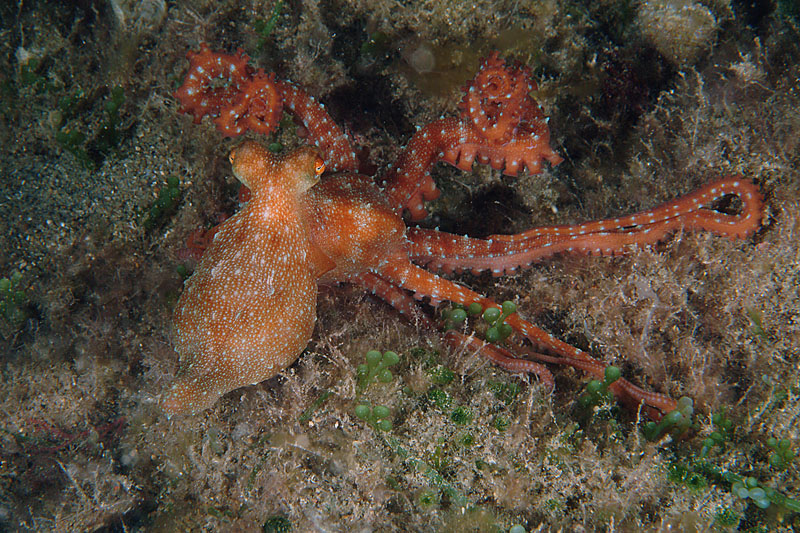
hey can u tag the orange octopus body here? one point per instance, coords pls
(248, 310)
(350, 220)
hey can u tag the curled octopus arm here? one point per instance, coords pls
(500, 125)
(240, 98)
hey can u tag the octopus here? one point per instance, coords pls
(248, 310)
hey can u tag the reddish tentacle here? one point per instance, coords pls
(239, 98)
(391, 294)
(258, 106)
(404, 304)
(423, 283)
(501, 357)
(333, 143)
(200, 95)
(500, 125)
(505, 253)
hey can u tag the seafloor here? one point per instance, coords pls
(648, 100)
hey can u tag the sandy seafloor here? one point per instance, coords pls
(647, 101)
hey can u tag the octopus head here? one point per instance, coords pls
(258, 168)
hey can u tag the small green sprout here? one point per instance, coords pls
(719, 436)
(376, 369)
(676, 422)
(277, 524)
(480, 464)
(105, 139)
(308, 413)
(27, 73)
(265, 27)
(169, 196)
(441, 375)
(597, 391)
(501, 423)
(439, 459)
(749, 488)
(429, 499)
(109, 135)
(782, 454)
(30, 77)
(441, 399)
(393, 483)
(69, 105)
(454, 316)
(72, 142)
(183, 271)
(757, 326)
(466, 440)
(461, 416)
(13, 301)
(498, 330)
(377, 417)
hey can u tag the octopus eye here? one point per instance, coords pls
(319, 166)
